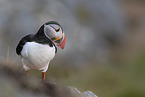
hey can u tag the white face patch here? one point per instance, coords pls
(54, 26)
(53, 31)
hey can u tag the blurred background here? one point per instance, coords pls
(105, 44)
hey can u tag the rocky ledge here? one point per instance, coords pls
(16, 84)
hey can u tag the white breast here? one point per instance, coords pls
(37, 56)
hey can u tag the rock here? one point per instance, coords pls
(16, 84)
(88, 94)
(83, 94)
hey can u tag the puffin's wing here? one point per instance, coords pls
(22, 42)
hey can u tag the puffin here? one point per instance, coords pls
(37, 50)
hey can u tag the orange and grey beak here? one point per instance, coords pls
(61, 42)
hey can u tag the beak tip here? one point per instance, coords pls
(62, 44)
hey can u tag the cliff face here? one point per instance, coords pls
(16, 84)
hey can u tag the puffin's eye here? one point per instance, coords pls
(57, 30)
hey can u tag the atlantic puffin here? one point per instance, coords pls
(37, 50)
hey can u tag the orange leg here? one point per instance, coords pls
(43, 76)
(27, 73)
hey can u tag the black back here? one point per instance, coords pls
(32, 38)
(22, 42)
(38, 38)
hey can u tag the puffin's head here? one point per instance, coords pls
(54, 31)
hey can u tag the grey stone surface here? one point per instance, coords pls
(14, 84)
(88, 94)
